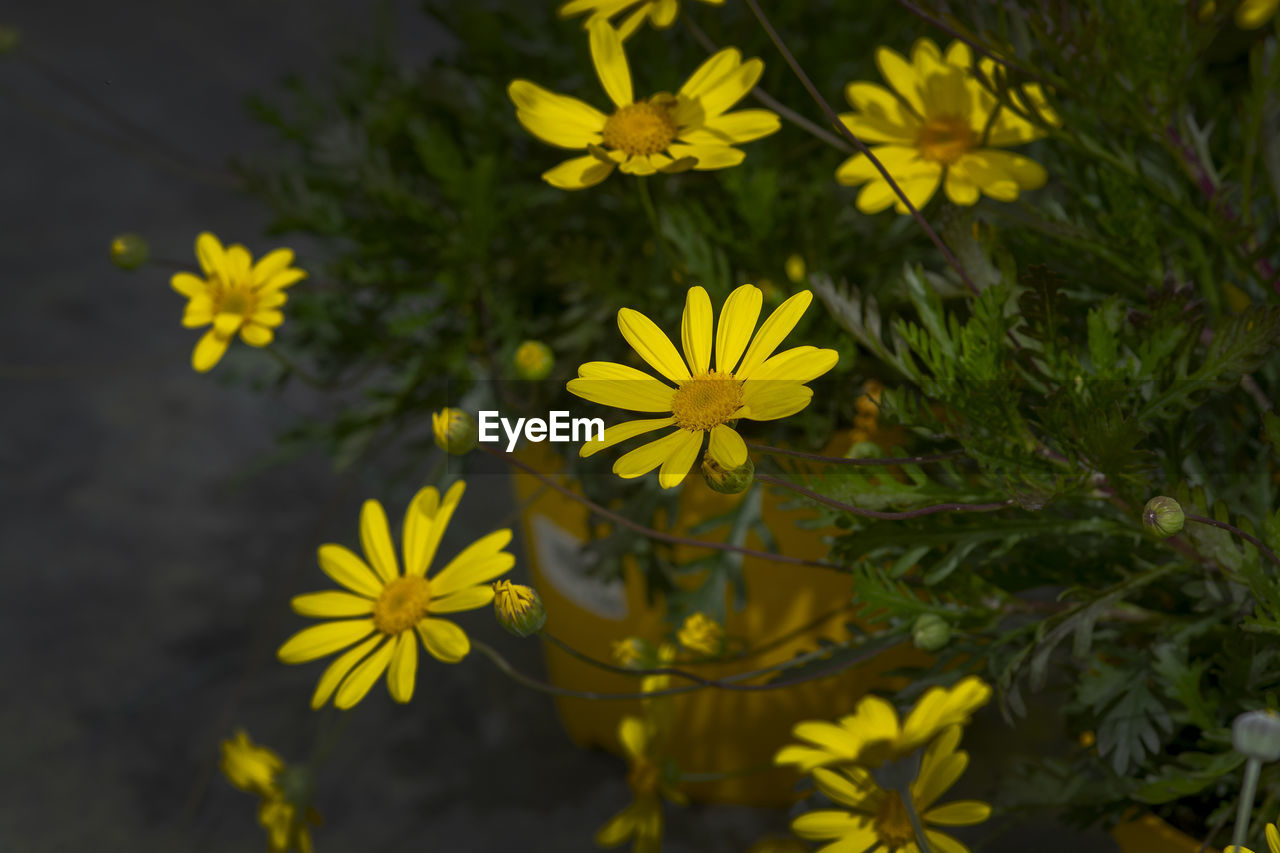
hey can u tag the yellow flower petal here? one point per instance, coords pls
(240, 264)
(646, 457)
(429, 522)
(732, 128)
(346, 568)
(554, 118)
(825, 824)
(375, 538)
(989, 168)
(959, 813)
(901, 161)
(619, 828)
(709, 156)
(481, 549)
(711, 72)
(771, 400)
(634, 736)
(444, 640)
(941, 707)
(212, 257)
(663, 13)
(255, 335)
(958, 53)
(798, 364)
(357, 683)
(338, 670)
(282, 279)
(943, 843)
(651, 344)
(208, 351)
(695, 330)
(721, 94)
(804, 757)
(403, 668)
(621, 386)
(737, 322)
(189, 285)
(901, 76)
(268, 318)
(680, 460)
(271, 263)
(610, 61)
(621, 432)
(772, 333)
(639, 165)
(199, 312)
(331, 604)
(878, 195)
(960, 189)
(941, 767)
(578, 173)
(324, 639)
(460, 574)
(848, 790)
(727, 447)
(468, 598)
(226, 325)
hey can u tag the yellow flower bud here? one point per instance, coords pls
(701, 634)
(250, 767)
(630, 651)
(728, 482)
(129, 251)
(534, 360)
(1163, 516)
(796, 269)
(518, 608)
(455, 431)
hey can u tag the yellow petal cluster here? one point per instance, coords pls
(742, 378)
(255, 769)
(234, 295)
(642, 819)
(664, 133)
(659, 13)
(938, 125)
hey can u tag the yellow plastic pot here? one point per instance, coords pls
(715, 730)
(1150, 834)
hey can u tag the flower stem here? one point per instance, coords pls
(1247, 792)
(844, 460)
(651, 213)
(657, 535)
(1230, 528)
(947, 254)
(291, 367)
(916, 826)
(887, 516)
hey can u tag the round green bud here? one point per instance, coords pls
(725, 482)
(1163, 516)
(864, 450)
(518, 608)
(1256, 734)
(930, 632)
(10, 38)
(455, 431)
(129, 251)
(534, 360)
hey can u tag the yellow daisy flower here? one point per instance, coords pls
(666, 133)
(384, 608)
(937, 126)
(661, 13)
(250, 767)
(235, 295)
(878, 821)
(642, 819)
(872, 735)
(748, 381)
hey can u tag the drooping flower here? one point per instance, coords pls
(939, 125)
(384, 608)
(258, 770)
(664, 133)
(877, 820)
(747, 381)
(872, 735)
(660, 13)
(642, 819)
(235, 295)
(701, 634)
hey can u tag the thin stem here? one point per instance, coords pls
(1222, 525)
(916, 826)
(844, 460)
(292, 367)
(950, 257)
(1247, 792)
(651, 213)
(649, 531)
(770, 101)
(731, 683)
(872, 513)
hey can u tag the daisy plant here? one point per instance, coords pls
(877, 820)
(660, 13)
(746, 379)
(234, 295)
(382, 608)
(663, 133)
(938, 125)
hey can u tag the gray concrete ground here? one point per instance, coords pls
(148, 564)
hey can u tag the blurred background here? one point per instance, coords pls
(151, 537)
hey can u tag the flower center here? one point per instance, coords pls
(705, 401)
(640, 129)
(945, 139)
(234, 300)
(402, 603)
(643, 778)
(892, 823)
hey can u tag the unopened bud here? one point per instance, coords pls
(930, 632)
(1256, 734)
(455, 431)
(630, 651)
(728, 482)
(796, 269)
(518, 608)
(1163, 516)
(701, 634)
(128, 251)
(534, 360)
